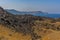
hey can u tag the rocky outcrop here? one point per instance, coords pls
(20, 23)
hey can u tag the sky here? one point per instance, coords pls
(32, 5)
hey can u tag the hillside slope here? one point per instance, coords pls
(26, 27)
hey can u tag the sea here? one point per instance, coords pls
(51, 15)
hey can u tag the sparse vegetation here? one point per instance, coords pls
(26, 27)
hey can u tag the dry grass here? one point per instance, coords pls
(8, 34)
(47, 34)
(39, 29)
(53, 36)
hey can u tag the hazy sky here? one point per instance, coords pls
(32, 5)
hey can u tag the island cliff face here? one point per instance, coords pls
(26, 27)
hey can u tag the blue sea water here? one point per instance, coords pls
(48, 15)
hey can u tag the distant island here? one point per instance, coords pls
(35, 13)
